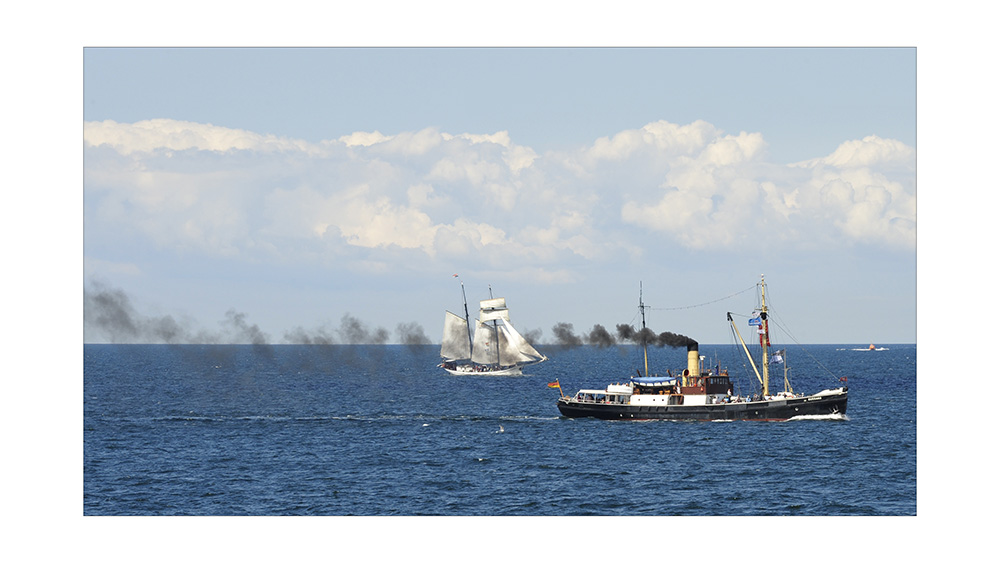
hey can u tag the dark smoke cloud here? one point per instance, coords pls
(299, 335)
(625, 333)
(411, 334)
(109, 311)
(564, 335)
(646, 336)
(674, 340)
(242, 331)
(600, 337)
(353, 331)
(533, 336)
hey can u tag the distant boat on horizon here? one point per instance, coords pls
(870, 348)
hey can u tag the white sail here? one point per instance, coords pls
(484, 347)
(493, 310)
(497, 303)
(495, 344)
(494, 315)
(514, 349)
(455, 342)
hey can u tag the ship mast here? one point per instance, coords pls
(496, 333)
(467, 333)
(642, 310)
(765, 339)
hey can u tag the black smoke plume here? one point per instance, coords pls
(110, 312)
(674, 340)
(244, 332)
(411, 334)
(646, 336)
(564, 335)
(600, 337)
(625, 333)
(533, 335)
(353, 331)
(320, 336)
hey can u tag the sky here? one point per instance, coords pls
(331, 194)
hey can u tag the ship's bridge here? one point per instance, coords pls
(603, 396)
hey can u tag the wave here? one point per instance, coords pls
(837, 416)
(385, 417)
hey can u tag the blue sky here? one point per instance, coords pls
(287, 188)
(807, 101)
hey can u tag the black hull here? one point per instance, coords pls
(781, 409)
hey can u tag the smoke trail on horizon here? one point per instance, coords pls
(600, 337)
(109, 311)
(564, 335)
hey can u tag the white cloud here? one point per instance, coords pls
(870, 151)
(412, 143)
(501, 138)
(481, 198)
(381, 223)
(352, 215)
(518, 158)
(864, 205)
(364, 139)
(730, 150)
(680, 139)
(725, 196)
(169, 134)
(667, 139)
(465, 238)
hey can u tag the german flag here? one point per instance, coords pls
(555, 384)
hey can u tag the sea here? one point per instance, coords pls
(380, 430)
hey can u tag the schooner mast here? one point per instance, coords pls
(466, 303)
(496, 334)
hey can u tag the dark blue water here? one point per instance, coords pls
(378, 430)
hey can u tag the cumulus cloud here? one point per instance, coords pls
(871, 151)
(363, 139)
(726, 196)
(665, 138)
(168, 134)
(480, 198)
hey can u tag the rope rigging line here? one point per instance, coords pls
(775, 322)
(647, 307)
(702, 304)
(739, 360)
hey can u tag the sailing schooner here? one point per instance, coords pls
(496, 349)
